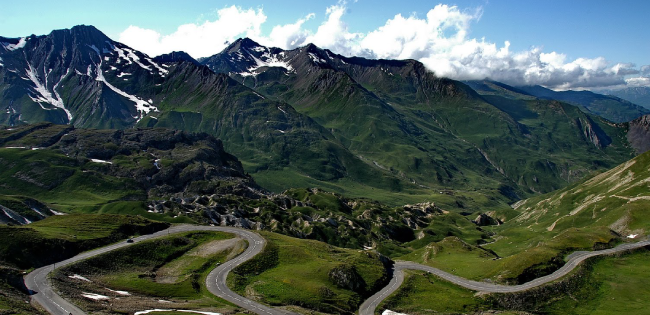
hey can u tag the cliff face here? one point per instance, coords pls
(593, 133)
(639, 134)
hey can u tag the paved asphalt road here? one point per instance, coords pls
(37, 281)
(368, 307)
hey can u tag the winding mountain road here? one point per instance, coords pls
(370, 305)
(37, 281)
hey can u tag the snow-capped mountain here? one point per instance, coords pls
(77, 76)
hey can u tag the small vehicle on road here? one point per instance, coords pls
(130, 240)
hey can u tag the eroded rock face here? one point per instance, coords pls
(347, 277)
(484, 220)
(639, 134)
(592, 133)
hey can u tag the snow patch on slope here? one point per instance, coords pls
(266, 60)
(118, 292)
(162, 70)
(11, 47)
(94, 296)
(101, 161)
(140, 105)
(316, 59)
(15, 216)
(78, 277)
(45, 95)
(95, 49)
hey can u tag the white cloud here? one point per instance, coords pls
(287, 36)
(645, 70)
(440, 40)
(333, 33)
(199, 40)
(638, 82)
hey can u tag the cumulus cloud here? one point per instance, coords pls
(645, 70)
(199, 40)
(333, 33)
(287, 36)
(440, 40)
(638, 82)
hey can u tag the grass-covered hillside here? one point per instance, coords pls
(606, 285)
(59, 237)
(83, 170)
(432, 134)
(310, 275)
(537, 235)
(616, 200)
(54, 239)
(169, 273)
(165, 273)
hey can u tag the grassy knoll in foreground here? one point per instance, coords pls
(310, 274)
(171, 269)
(60, 237)
(607, 285)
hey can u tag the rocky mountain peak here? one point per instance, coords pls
(176, 56)
(241, 43)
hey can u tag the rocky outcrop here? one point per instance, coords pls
(485, 220)
(593, 133)
(346, 277)
(639, 134)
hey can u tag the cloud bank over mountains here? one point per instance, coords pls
(440, 41)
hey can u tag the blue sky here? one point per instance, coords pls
(590, 35)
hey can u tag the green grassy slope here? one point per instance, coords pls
(598, 213)
(109, 171)
(59, 237)
(434, 132)
(267, 134)
(309, 274)
(54, 239)
(172, 269)
(612, 201)
(607, 285)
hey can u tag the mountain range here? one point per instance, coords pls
(637, 95)
(387, 129)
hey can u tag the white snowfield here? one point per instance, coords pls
(44, 95)
(94, 296)
(118, 292)
(101, 161)
(79, 278)
(267, 60)
(142, 106)
(11, 47)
